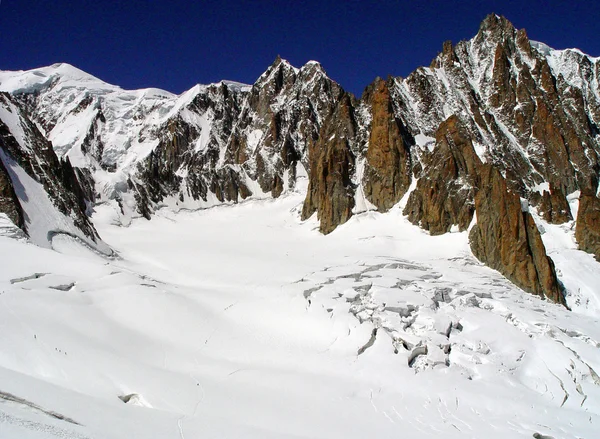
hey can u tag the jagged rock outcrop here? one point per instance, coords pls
(444, 193)
(507, 239)
(387, 173)
(529, 110)
(553, 206)
(587, 232)
(283, 114)
(330, 189)
(186, 161)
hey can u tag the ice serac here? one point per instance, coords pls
(40, 193)
(387, 173)
(444, 194)
(330, 189)
(506, 238)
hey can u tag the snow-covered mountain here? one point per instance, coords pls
(529, 112)
(40, 192)
(217, 143)
(489, 155)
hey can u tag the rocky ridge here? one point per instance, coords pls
(496, 116)
(39, 192)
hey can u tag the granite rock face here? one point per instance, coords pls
(330, 189)
(444, 195)
(506, 238)
(387, 173)
(553, 206)
(454, 185)
(587, 232)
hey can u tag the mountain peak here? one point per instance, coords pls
(494, 20)
(279, 61)
(280, 71)
(313, 67)
(496, 27)
(313, 63)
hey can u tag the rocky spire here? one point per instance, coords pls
(387, 173)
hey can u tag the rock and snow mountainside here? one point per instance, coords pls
(38, 191)
(489, 155)
(217, 143)
(495, 110)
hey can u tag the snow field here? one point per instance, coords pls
(242, 321)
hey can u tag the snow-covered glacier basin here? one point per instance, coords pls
(243, 321)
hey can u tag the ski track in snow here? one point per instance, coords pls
(242, 321)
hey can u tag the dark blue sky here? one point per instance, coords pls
(176, 44)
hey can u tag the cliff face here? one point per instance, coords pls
(506, 238)
(9, 202)
(444, 193)
(454, 185)
(498, 109)
(331, 163)
(387, 173)
(39, 192)
(587, 232)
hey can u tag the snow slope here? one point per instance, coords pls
(242, 321)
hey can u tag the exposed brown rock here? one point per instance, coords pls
(454, 184)
(507, 239)
(554, 207)
(444, 193)
(387, 168)
(587, 232)
(330, 189)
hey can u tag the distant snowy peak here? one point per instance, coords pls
(578, 69)
(30, 81)
(108, 130)
(546, 50)
(63, 75)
